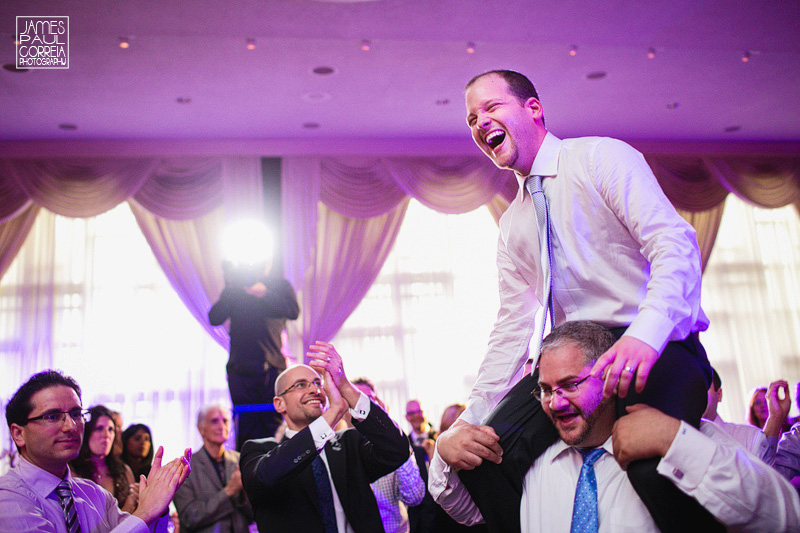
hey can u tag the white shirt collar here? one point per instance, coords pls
(546, 161)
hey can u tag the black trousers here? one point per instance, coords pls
(677, 385)
(249, 389)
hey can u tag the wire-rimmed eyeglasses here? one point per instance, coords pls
(566, 390)
(302, 385)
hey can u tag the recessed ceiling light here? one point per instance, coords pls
(673, 105)
(11, 67)
(596, 75)
(366, 45)
(250, 44)
(746, 57)
(183, 100)
(311, 125)
(651, 53)
(323, 71)
(732, 129)
(124, 42)
(573, 50)
(67, 126)
(470, 47)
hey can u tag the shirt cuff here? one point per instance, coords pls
(652, 328)
(438, 474)
(688, 458)
(321, 432)
(361, 410)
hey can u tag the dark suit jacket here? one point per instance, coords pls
(280, 484)
(203, 506)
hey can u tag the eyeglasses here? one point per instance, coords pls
(565, 391)
(302, 385)
(78, 415)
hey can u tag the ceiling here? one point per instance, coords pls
(409, 85)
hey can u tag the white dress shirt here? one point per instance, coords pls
(751, 438)
(739, 490)
(622, 256)
(322, 432)
(787, 459)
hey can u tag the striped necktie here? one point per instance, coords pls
(534, 187)
(584, 510)
(64, 493)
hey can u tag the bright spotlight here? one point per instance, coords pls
(248, 246)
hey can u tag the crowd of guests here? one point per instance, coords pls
(275, 480)
(115, 465)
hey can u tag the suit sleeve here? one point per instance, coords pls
(197, 507)
(267, 466)
(385, 448)
(221, 310)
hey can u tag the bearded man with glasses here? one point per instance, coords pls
(316, 479)
(579, 482)
(46, 421)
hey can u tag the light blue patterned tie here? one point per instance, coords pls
(534, 187)
(584, 510)
(64, 493)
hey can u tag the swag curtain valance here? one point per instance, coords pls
(178, 204)
(341, 215)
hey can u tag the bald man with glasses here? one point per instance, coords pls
(316, 479)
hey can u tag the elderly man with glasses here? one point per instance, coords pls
(316, 479)
(46, 420)
(579, 483)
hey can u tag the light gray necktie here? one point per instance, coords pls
(534, 187)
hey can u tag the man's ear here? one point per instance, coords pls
(17, 435)
(719, 394)
(280, 404)
(535, 107)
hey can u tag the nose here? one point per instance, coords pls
(557, 401)
(483, 120)
(70, 422)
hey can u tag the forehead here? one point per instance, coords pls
(217, 412)
(486, 88)
(299, 373)
(57, 397)
(104, 421)
(560, 363)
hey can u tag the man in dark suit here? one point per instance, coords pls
(316, 479)
(212, 499)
